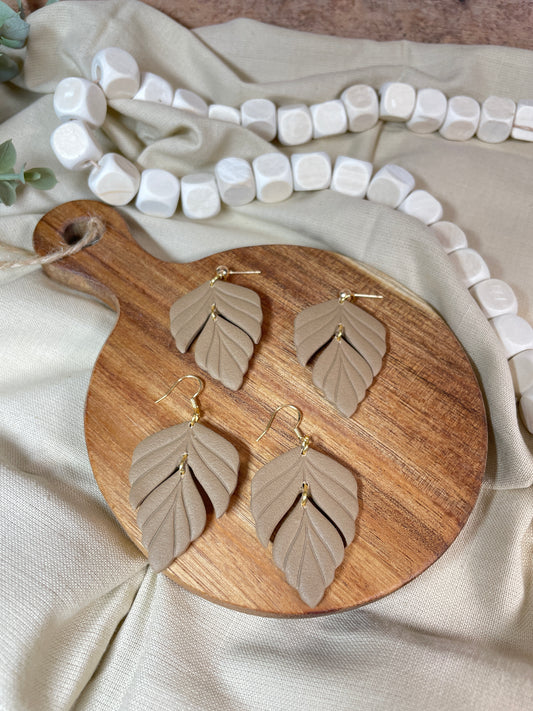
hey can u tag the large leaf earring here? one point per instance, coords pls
(167, 470)
(346, 367)
(309, 502)
(228, 318)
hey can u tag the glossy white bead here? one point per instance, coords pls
(329, 118)
(423, 206)
(221, 112)
(117, 73)
(77, 98)
(115, 180)
(514, 332)
(470, 266)
(311, 171)
(362, 107)
(450, 235)
(523, 121)
(397, 101)
(525, 408)
(429, 112)
(351, 176)
(495, 297)
(496, 119)
(154, 88)
(260, 116)
(462, 118)
(200, 198)
(235, 181)
(273, 177)
(521, 366)
(390, 185)
(295, 125)
(74, 145)
(158, 194)
(186, 100)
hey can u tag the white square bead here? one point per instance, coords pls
(311, 171)
(154, 88)
(77, 98)
(523, 121)
(397, 101)
(186, 100)
(329, 118)
(259, 115)
(521, 366)
(450, 235)
(221, 112)
(199, 196)
(515, 333)
(429, 112)
(158, 194)
(115, 180)
(470, 266)
(295, 125)
(235, 181)
(390, 185)
(496, 120)
(273, 177)
(495, 297)
(351, 176)
(362, 107)
(525, 407)
(74, 145)
(423, 206)
(117, 73)
(462, 118)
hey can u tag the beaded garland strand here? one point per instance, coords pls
(82, 105)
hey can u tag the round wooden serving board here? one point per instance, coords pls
(416, 445)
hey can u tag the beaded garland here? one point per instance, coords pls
(82, 105)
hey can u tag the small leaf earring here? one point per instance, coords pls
(309, 544)
(345, 369)
(166, 469)
(228, 318)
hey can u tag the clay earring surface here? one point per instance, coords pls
(310, 501)
(346, 367)
(227, 318)
(166, 471)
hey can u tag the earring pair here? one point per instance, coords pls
(346, 343)
(303, 499)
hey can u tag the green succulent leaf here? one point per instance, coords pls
(6, 12)
(8, 193)
(9, 68)
(8, 156)
(14, 32)
(40, 178)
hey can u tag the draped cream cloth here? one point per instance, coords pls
(85, 624)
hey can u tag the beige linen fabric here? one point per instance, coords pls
(85, 625)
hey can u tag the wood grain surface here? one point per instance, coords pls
(500, 22)
(416, 445)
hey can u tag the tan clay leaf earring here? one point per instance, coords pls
(228, 318)
(315, 499)
(166, 471)
(345, 369)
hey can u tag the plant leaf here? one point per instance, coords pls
(338, 372)
(332, 496)
(8, 193)
(171, 512)
(14, 32)
(225, 345)
(9, 68)
(40, 178)
(6, 13)
(8, 156)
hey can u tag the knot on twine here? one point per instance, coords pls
(93, 231)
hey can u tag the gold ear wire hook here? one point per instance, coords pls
(303, 439)
(194, 403)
